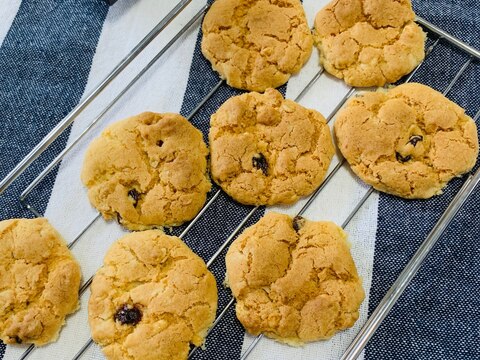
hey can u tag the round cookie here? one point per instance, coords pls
(256, 45)
(152, 298)
(147, 171)
(39, 282)
(294, 280)
(409, 141)
(369, 42)
(266, 150)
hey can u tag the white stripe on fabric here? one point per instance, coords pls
(161, 90)
(9, 11)
(335, 203)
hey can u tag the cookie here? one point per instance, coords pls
(409, 141)
(294, 280)
(152, 298)
(148, 171)
(256, 45)
(266, 150)
(369, 42)
(39, 282)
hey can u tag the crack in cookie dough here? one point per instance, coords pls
(147, 171)
(266, 150)
(256, 44)
(294, 286)
(369, 42)
(409, 141)
(39, 282)
(170, 294)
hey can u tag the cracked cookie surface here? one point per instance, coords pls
(266, 150)
(369, 42)
(409, 141)
(294, 280)
(39, 282)
(151, 299)
(147, 171)
(256, 44)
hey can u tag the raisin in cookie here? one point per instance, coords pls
(294, 280)
(266, 150)
(148, 171)
(152, 298)
(259, 44)
(39, 282)
(409, 141)
(369, 42)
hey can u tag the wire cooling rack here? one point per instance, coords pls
(435, 36)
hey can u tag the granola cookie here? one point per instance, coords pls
(266, 150)
(148, 171)
(152, 298)
(409, 141)
(39, 282)
(294, 280)
(369, 42)
(256, 45)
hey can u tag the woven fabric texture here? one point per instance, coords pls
(45, 61)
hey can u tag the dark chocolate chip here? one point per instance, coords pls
(18, 340)
(298, 223)
(128, 315)
(401, 158)
(135, 196)
(414, 139)
(159, 143)
(260, 162)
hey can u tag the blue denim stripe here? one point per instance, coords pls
(45, 60)
(437, 316)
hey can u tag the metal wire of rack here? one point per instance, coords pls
(402, 281)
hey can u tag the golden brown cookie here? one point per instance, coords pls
(39, 282)
(369, 42)
(294, 280)
(256, 45)
(266, 150)
(409, 141)
(148, 171)
(152, 298)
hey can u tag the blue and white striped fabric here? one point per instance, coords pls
(52, 52)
